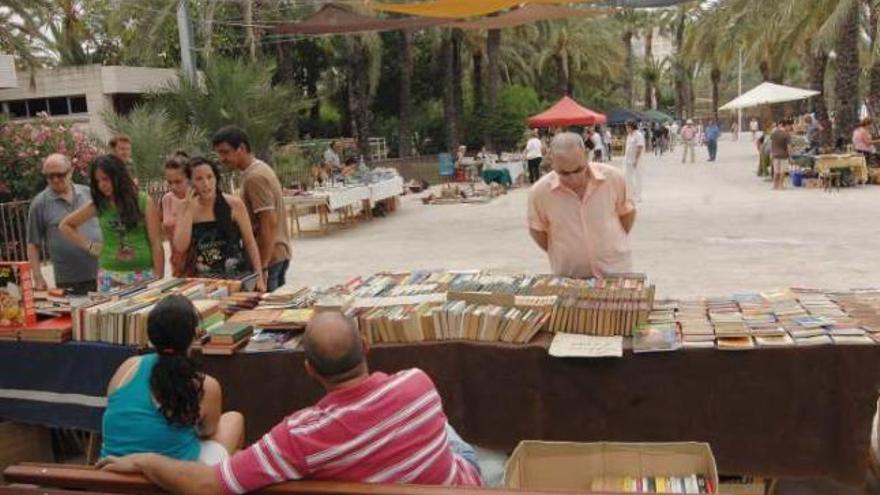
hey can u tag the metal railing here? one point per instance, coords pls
(13, 230)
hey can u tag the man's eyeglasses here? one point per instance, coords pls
(565, 173)
(56, 175)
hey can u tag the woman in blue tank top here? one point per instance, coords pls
(162, 403)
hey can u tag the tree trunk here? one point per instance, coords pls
(817, 64)
(457, 77)
(649, 58)
(715, 75)
(680, 89)
(207, 28)
(846, 79)
(628, 68)
(562, 74)
(493, 46)
(477, 82)
(406, 75)
(449, 92)
(247, 10)
(359, 96)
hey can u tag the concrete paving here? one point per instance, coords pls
(702, 229)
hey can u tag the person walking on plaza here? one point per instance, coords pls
(131, 230)
(581, 213)
(754, 128)
(688, 140)
(534, 156)
(780, 153)
(369, 427)
(607, 137)
(75, 270)
(632, 155)
(713, 132)
(262, 195)
(734, 131)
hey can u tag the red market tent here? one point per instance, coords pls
(566, 112)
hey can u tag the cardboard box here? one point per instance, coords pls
(572, 466)
(16, 295)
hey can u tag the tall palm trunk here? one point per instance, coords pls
(628, 68)
(678, 66)
(457, 76)
(477, 81)
(817, 64)
(649, 57)
(493, 46)
(359, 95)
(715, 76)
(247, 10)
(874, 71)
(207, 27)
(846, 79)
(449, 107)
(562, 74)
(406, 74)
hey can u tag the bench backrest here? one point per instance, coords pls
(76, 477)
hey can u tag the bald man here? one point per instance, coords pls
(75, 270)
(369, 427)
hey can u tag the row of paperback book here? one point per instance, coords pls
(694, 483)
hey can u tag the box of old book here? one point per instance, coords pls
(681, 467)
(16, 295)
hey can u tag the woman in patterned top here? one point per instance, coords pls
(214, 228)
(131, 250)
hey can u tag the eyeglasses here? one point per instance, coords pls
(565, 173)
(56, 175)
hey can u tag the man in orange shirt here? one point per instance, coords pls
(581, 213)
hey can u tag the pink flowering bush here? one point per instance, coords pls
(23, 147)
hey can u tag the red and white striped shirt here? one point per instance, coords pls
(387, 429)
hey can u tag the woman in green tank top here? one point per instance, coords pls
(131, 250)
(162, 403)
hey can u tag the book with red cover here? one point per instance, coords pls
(16, 295)
(58, 329)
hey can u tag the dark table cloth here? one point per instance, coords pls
(781, 412)
(785, 412)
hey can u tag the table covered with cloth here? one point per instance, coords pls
(856, 163)
(500, 176)
(776, 412)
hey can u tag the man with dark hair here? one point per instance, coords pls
(375, 428)
(120, 146)
(262, 195)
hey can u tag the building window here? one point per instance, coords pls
(55, 106)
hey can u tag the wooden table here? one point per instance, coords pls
(856, 163)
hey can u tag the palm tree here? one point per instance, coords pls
(709, 44)
(649, 77)
(846, 78)
(406, 75)
(19, 29)
(493, 44)
(629, 20)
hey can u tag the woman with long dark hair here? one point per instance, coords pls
(214, 228)
(131, 250)
(162, 403)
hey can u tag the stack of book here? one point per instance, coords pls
(653, 337)
(121, 317)
(54, 330)
(696, 329)
(693, 483)
(451, 321)
(227, 339)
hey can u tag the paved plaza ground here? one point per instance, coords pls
(702, 229)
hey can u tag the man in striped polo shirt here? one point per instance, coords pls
(375, 428)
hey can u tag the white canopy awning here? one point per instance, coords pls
(767, 93)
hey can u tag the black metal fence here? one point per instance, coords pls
(13, 230)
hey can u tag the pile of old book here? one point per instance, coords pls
(227, 338)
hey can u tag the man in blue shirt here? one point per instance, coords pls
(712, 133)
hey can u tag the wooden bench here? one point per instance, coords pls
(56, 479)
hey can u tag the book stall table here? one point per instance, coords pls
(856, 163)
(340, 200)
(774, 412)
(515, 168)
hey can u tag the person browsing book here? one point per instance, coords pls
(131, 250)
(263, 198)
(172, 201)
(369, 427)
(75, 270)
(162, 403)
(214, 229)
(581, 213)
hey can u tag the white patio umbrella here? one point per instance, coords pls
(768, 93)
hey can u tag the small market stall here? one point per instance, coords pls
(566, 112)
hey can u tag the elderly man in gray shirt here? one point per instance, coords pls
(75, 269)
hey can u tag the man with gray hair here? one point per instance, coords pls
(370, 427)
(75, 269)
(581, 213)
